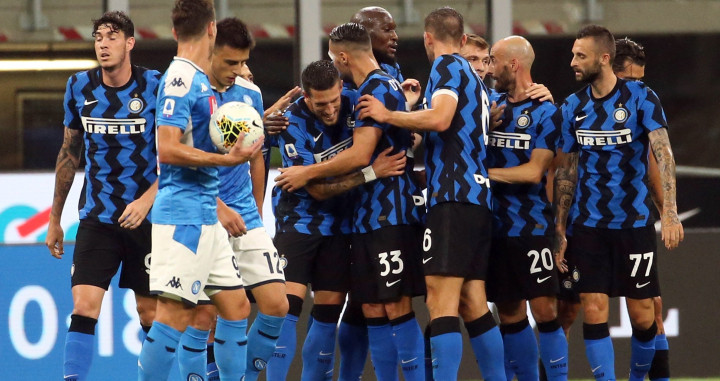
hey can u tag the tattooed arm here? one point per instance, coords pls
(672, 230)
(655, 182)
(563, 192)
(67, 163)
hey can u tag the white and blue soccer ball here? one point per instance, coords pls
(232, 119)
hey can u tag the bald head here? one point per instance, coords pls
(510, 62)
(514, 47)
(381, 26)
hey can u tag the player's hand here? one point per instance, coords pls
(559, 246)
(284, 101)
(239, 154)
(369, 107)
(292, 178)
(672, 229)
(54, 239)
(275, 123)
(411, 88)
(135, 213)
(540, 92)
(496, 114)
(392, 165)
(231, 220)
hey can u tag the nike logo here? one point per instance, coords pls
(543, 279)
(554, 361)
(638, 285)
(90, 102)
(594, 369)
(255, 123)
(641, 365)
(280, 347)
(390, 284)
(412, 359)
(212, 371)
(426, 260)
(325, 353)
(316, 138)
(579, 118)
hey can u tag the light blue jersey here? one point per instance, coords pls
(235, 183)
(186, 195)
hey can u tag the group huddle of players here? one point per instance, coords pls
(355, 220)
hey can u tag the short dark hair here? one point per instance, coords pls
(627, 49)
(234, 33)
(190, 17)
(475, 40)
(319, 75)
(351, 32)
(446, 24)
(602, 36)
(118, 21)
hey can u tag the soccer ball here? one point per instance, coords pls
(232, 119)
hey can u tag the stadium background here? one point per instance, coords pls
(681, 39)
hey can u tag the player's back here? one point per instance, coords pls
(454, 158)
(522, 209)
(611, 136)
(119, 135)
(186, 195)
(395, 200)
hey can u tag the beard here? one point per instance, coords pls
(383, 57)
(590, 75)
(503, 83)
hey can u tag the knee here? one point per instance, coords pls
(87, 308)
(399, 308)
(544, 311)
(641, 313)
(146, 311)
(372, 310)
(278, 306)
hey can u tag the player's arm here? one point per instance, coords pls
(672, 230)
(257, 178)
(67, 163)
(530, 172)
(437, 118)
(385, 165)
(172, 151)
(231, 220)
(355, 157)
(563, 192)
(654, 182)
(136, 211)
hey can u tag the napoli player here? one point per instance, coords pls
(191, 252)
(521, 262)
(456, 241)
(111, 108)
(599, 185)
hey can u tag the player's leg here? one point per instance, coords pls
(519, 343)
(485, 337)
(596, 334)
(231, 333)
(80, 338)
(553, 344)
(644, 330)
(352, 342)
(137, 245)
(318, 352)
(262, 271)
(192, 349)
(660, 368)
(407, 338)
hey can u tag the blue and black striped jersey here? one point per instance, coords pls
(454, 158)
(393, 200)
(611, 136)
(307, 141)
(393, 71)
(235, 187)
(119, 125)
(522, 209)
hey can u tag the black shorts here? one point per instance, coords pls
(456, 241)
(323, 261)
(521, 268)
(617, 262)
(100, 249)
(386, 264)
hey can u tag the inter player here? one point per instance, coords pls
(191, 252)
(456, 241)
(114, 105)
(312, 225)
(521, 263)
(385, 243)
(600, 186)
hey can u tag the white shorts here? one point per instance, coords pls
(187, 259)
(257, 258)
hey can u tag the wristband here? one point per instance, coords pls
(368, 173)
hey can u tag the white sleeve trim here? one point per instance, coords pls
(445, 92)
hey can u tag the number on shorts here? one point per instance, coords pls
(387, 266)
(427, 240)
(547, 261)
(147, 262)
(237, 268)
(277, 268)
(639, 257)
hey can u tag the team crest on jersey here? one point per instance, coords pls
(259, 364)
(247, 99)
(523, 121)
(620, 114)
(575, 275)
(283, 261)
(135, 105)
(194, 377)
(196, 287)
(350, 122)
(567, 284)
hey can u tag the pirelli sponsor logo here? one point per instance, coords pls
(603, 138)
(332, 151)
(113, 126)
(509, 140)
